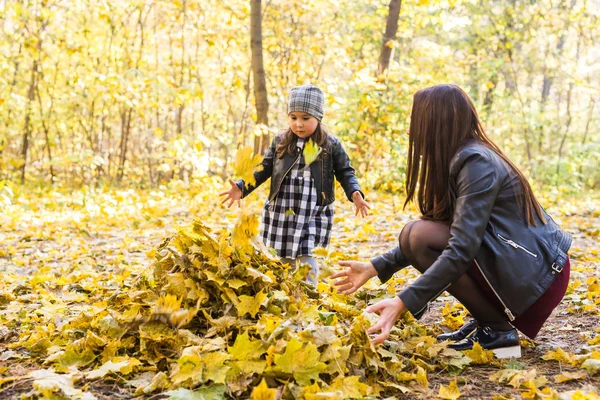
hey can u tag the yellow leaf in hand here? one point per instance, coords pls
(311, 152)
(246, 164)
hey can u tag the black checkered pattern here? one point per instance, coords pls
(308, 99)
(309, 226)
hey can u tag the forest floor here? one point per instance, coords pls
(96, 238)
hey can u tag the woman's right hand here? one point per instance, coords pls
(356, 275)
(232, 195)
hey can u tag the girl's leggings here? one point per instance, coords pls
(313, 276)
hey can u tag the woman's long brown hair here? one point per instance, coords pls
(443, 119)
(288, 141)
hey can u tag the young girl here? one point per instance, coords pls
(483, 236)
(298, 215)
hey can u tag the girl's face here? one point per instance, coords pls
(302, 124)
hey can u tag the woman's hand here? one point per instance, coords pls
(389, 311)
(361, 205)
(232, 195)
(354, 276)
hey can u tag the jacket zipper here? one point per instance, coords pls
(507, 311)
(284, 175)
(322, 177)
(433, 298)
(516, 245)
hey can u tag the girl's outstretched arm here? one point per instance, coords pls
(361, 205)
(232, 195)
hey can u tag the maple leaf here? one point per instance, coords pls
(48, 383)
(214, 392)
(246, 164)
(262, 392)
(479, 355)
(559, 355)
(246, 227)
(302, 363)
(195, 367)
(246, 354)
(250, 304)
(122, 365)
(351, 387)
(449, 392)
(592, 366)
(65, 359)
(246, 349)
(159, 381)
(569, 376)
(311, 152)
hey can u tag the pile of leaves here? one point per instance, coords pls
(220, 315)
(217, 315)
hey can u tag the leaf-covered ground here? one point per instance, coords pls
(161, 294)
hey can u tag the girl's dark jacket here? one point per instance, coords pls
(489, 230)
(333, 161)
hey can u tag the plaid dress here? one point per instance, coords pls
(293, 224)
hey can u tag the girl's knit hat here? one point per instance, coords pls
(308, 99)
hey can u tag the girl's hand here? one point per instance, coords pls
(361, 205)
(232, 195)
(389, 311)
(356, 275)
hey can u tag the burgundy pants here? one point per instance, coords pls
(531, 321)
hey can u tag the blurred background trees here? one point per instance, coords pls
(142, 92)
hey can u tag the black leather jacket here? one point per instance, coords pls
(333, 161)
(518, 261)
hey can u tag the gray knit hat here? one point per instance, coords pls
(308, 99)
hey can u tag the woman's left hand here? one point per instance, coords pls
(361, 205)
(389, 311)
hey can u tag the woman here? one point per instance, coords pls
(483, 236)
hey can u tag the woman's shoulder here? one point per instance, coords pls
(474, 152)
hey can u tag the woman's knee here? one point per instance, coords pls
(422, 235)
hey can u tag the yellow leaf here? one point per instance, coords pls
(591, 366)
(351, 387)
(262, 392)
(302, 363)
(311, 152)
(246, 354)
(121, 365)
(246, 227)
(289, 212)
(195, 366)
(422, 377)
(246, 164)
(449, 392)
(569, 376)
(250, 304)
(559, 355)
(479, 355)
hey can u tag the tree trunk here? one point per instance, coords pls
(261, 142)
(27, 124)
(391, 28)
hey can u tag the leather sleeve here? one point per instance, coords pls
(478, 183)
(343, 171)
(388, 264)
(264, 174)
